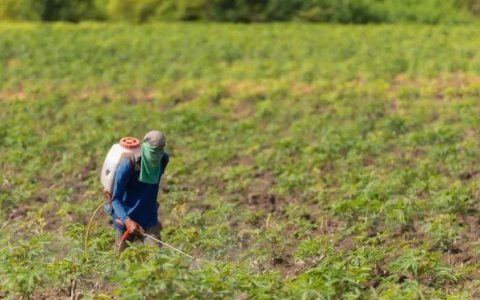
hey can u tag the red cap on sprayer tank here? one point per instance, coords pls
(129, 142)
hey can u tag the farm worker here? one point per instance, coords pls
(134, 199)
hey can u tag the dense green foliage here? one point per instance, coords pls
(307, 161)
(336, 11)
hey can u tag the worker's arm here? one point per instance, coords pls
(122, 177)
(164, 162)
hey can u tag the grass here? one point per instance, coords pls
(313, 161)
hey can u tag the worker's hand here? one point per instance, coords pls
(107, 195)
(132, 226)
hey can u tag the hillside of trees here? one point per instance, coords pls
(331, 11)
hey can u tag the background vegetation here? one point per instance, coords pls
(314, 161)
(336, 11)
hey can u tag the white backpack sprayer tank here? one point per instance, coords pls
(127, 147)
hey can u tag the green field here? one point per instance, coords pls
(307, 161)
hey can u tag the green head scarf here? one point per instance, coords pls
(152, 151)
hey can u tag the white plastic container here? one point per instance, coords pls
(126, 148)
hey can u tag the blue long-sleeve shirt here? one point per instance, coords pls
(135, 199)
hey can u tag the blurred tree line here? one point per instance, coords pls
(336, 11)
